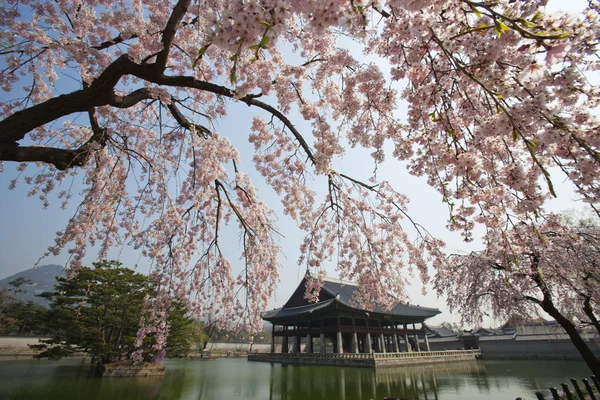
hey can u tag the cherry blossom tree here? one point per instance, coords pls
(550, 267)
(497, 95)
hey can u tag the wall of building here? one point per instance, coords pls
(532, 349)
(447, 344)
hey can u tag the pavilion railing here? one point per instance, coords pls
(445, 353)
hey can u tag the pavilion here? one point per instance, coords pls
(359, 336)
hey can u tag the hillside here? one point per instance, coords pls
(42, 279)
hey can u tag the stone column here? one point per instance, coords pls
(416, 339)
(273, 338)
(427, 343)
(338, 344)
(309, 346)
(368, 348)
(322, 348)
(296, 345)
(396, 348)
(408, 348)
(354, 343)
(284, 344)
(382, 343)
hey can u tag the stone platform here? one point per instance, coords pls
(372, 360)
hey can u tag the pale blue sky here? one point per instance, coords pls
(27, 229)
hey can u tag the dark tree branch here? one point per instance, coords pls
(169, 33)
(101, 93)
(60, 158)
(131, 99)
(116, 40)
(185, 123)
(587, 308)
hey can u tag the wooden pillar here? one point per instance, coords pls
(338, 343)
(408, 348)
(322, 348)
(427, 342)
(368, 348)
(416, 339)
(284, 344)
(309, 344)
(296, 344)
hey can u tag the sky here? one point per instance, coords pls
(27, 229)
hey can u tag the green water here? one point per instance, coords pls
(225, 379)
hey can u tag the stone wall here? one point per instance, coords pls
(16, 353)
(523, 349)
(447, 344)
(15, 348)
(290, 359)
(365, 360)
(442, 358)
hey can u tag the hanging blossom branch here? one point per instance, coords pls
(554, 271)
(496, 94)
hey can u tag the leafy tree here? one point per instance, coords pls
(495, 93)
(552, 267)
(97, 311)
(184, 332)
(30, 318)
(17, 283)
(17, 317)
(454, 327)
(201, 337)
(7, 323)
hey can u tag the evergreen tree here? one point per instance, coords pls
(96, 312)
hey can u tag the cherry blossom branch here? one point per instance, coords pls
(529, 145)
(99, 93)
(185, 123)
(115, 41)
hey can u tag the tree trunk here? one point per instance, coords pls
(588, 356)
(587, 308)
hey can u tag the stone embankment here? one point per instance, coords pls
(130, 368)
(222, 350)
(15, 348)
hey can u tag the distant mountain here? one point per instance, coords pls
(42, 279)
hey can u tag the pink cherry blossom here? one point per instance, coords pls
(531, 270)
(557, 53)
(124, 96)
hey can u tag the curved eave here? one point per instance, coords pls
(402, 311)
(415, 314)
(294, 313)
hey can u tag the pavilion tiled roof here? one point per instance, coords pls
(338, 294)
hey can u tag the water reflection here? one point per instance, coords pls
(239, 379)
(410, 382)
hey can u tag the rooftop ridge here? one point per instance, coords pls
(339, 281)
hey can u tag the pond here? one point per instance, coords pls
(239, 379)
